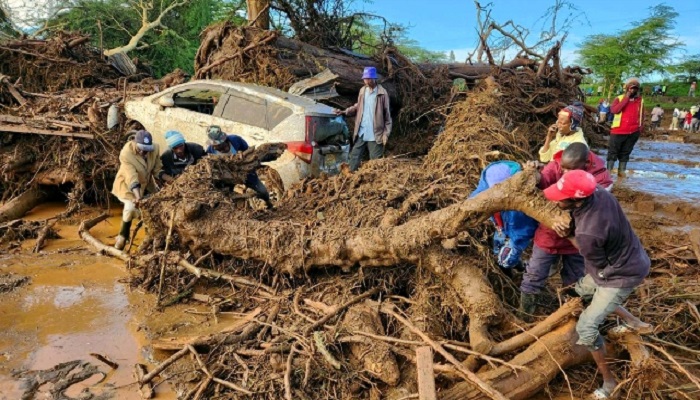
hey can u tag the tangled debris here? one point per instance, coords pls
(314, 326)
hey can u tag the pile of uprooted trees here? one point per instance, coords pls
(344, 284)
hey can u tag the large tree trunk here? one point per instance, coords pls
(542, 361)
(259, 13)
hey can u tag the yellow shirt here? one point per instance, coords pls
(560, 143)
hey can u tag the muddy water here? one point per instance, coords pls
(75, 305)
(664, 168)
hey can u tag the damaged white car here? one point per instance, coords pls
(317, 140)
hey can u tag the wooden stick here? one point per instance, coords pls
(165, 256)
(43, 234)
(321, 347)
(566, 311)
(146, 390)
(84, 233)
(464, 372)
(165, 364)
(338, 309)
(105, 360)
(231, 386)
(426, 376)
(211, 274)
(287, 376)
(36, 131)
(202, 387)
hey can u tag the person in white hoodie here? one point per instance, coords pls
(674, 120)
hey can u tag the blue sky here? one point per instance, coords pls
(445, 25)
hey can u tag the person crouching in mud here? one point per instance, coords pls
(615, 262)
(139, 165)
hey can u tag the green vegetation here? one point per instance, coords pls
(644, 49)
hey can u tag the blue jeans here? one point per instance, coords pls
(604, 301)
(540, 264)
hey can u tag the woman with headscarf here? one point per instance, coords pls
(565, 131)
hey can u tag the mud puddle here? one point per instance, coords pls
(74, 305)
(665, 169)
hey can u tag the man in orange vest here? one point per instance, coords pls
(627, 125)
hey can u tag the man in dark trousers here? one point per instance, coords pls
(615, 262)
(180, 154)
(549, 247)
(628, 111)
(373, 122)
(222, 144)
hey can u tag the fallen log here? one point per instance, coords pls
(37, 131)
(17, 207)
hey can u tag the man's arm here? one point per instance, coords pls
(387, 118)
(548, 175)
(618, 106)
(238, 143)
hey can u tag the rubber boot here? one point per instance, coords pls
(123, 236)
(622, 169)
(611, 165)
(528, 305)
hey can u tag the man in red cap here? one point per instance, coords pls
(373, 122)
(548, 247)
(614, 259)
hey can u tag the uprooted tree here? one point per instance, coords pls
(318, 327)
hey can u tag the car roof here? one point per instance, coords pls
(268, 93)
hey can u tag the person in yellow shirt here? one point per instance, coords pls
(567, 130)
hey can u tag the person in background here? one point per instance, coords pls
(663, 90)
(373, 122)
(600, 90)
(691, 91)
(687, 121)
(514, 229)
(614, 258)
(695, 121)
(626, 126)
(674, 120)
(656, 114)
(221, 144)
(180, 154)
(681, 118)
(549, 247)
(603, 110)
(565, 131)
(139, 166)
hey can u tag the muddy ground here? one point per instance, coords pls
(67, 303)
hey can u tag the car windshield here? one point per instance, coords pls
(200, 100)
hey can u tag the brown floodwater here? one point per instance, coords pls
(75, 304)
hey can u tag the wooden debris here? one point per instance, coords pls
(146, 390)
(426, 376)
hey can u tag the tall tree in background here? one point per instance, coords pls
(641, 50)
(452, 56)
(689, 69)
(259, 13)
(172, 43)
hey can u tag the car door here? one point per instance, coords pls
(196, 107)
(245, 115)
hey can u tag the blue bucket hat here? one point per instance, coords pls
(174, 139)
(369, 73)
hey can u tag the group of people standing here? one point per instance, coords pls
(688, 120)
(602, 258)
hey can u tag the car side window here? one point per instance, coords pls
(246, 109)
(276, 113)
(201, 100)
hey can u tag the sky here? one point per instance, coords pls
(445, 25)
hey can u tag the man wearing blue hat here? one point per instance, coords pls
(180, 154)
(514, 230)
(373, 122)
(139, 166)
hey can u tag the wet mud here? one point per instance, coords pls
(76, 304)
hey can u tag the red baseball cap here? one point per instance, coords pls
(577, 184)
